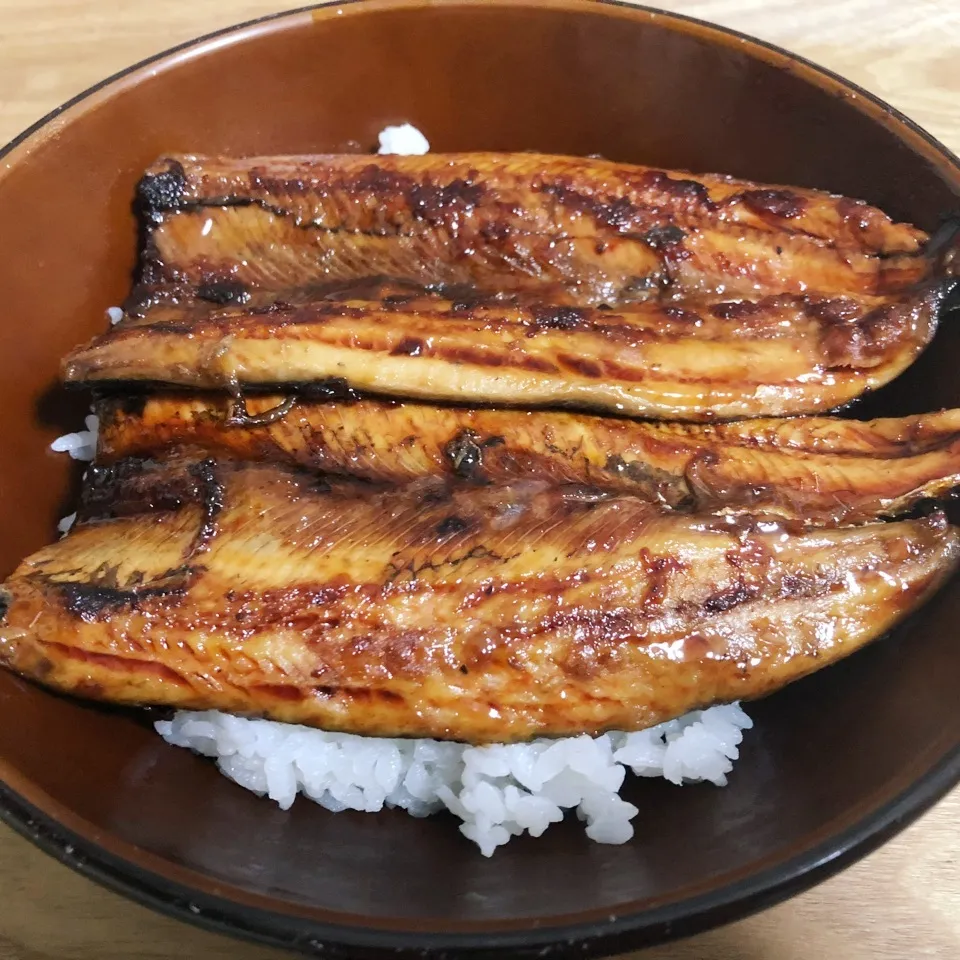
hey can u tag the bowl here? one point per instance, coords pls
(836, 763)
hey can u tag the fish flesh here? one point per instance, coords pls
(282, 543)
(637, 291)
(782, 355)
(464, 613)
(819, 470)
(575, 230)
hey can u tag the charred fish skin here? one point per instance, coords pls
(823, 471)
(589, 231)
(784, 355)
(480, 615)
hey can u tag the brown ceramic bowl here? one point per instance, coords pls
(837, 762)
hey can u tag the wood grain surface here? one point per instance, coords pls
(901, 902)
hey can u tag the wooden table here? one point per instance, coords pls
(901, 902)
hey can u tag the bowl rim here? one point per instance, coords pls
(604, 937)
(605, 934)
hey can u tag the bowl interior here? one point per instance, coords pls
(569, 77)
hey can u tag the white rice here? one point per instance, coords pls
(65, 523)
(81, 445)
(497, 791)
(405, 139)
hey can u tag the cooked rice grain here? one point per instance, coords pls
(81, 445)
(405, 139)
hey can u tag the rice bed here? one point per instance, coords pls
(497, 791)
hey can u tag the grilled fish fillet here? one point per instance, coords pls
(782, 355)
(583, 231)
(819, 470)
(473, 614)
